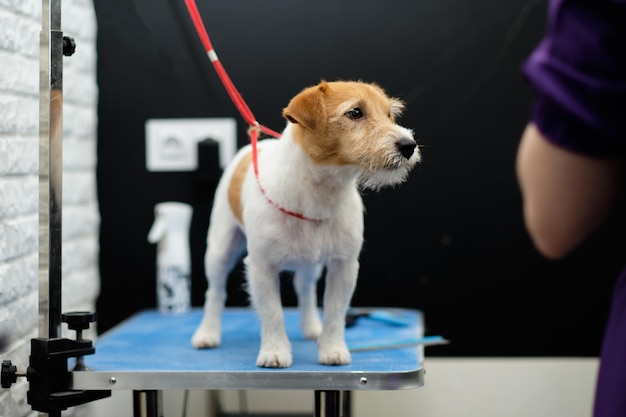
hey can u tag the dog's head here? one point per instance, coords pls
(354, 123)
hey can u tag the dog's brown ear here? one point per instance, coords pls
(307, 108)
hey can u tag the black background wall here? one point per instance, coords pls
(450, 242)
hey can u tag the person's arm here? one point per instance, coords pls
(566, 195)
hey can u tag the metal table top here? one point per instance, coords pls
(152, 351)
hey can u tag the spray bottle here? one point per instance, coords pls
(171, 231)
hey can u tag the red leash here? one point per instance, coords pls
(239, 102)
(221, 72)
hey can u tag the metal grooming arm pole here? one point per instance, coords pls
(50, 168)
(47, 373)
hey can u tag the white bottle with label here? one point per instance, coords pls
(171, 231)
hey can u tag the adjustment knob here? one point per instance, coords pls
(9, 374)
(78, 320)
(69, 46)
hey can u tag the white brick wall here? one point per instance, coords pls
(19, 115)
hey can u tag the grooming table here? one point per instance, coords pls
(151, 352)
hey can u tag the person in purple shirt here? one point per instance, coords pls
(569, 162)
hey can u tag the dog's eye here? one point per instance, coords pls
(355, 114)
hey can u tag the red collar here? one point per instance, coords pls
(254, 133)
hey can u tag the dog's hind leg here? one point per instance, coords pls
(226, 243)
(305, 283)
(341, 280)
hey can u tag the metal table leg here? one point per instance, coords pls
(147, 403)
(346, 400)
(332, 404)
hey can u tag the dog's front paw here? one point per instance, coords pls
(204, 338)
(274, 357)
(334, 354)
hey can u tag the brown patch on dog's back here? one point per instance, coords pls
(236, 184)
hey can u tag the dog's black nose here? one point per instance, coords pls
(406, 147)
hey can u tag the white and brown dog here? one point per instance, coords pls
(304, 213)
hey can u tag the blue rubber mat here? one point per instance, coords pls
(154, 345)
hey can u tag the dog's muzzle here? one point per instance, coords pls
(406, 147)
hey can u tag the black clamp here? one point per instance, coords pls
(47, 372)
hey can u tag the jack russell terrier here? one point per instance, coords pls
(303, 212)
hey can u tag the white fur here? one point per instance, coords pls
(276, 241)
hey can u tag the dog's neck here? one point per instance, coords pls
(292, 180)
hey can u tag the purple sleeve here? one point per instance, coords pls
(611, 385)
(578, 72)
